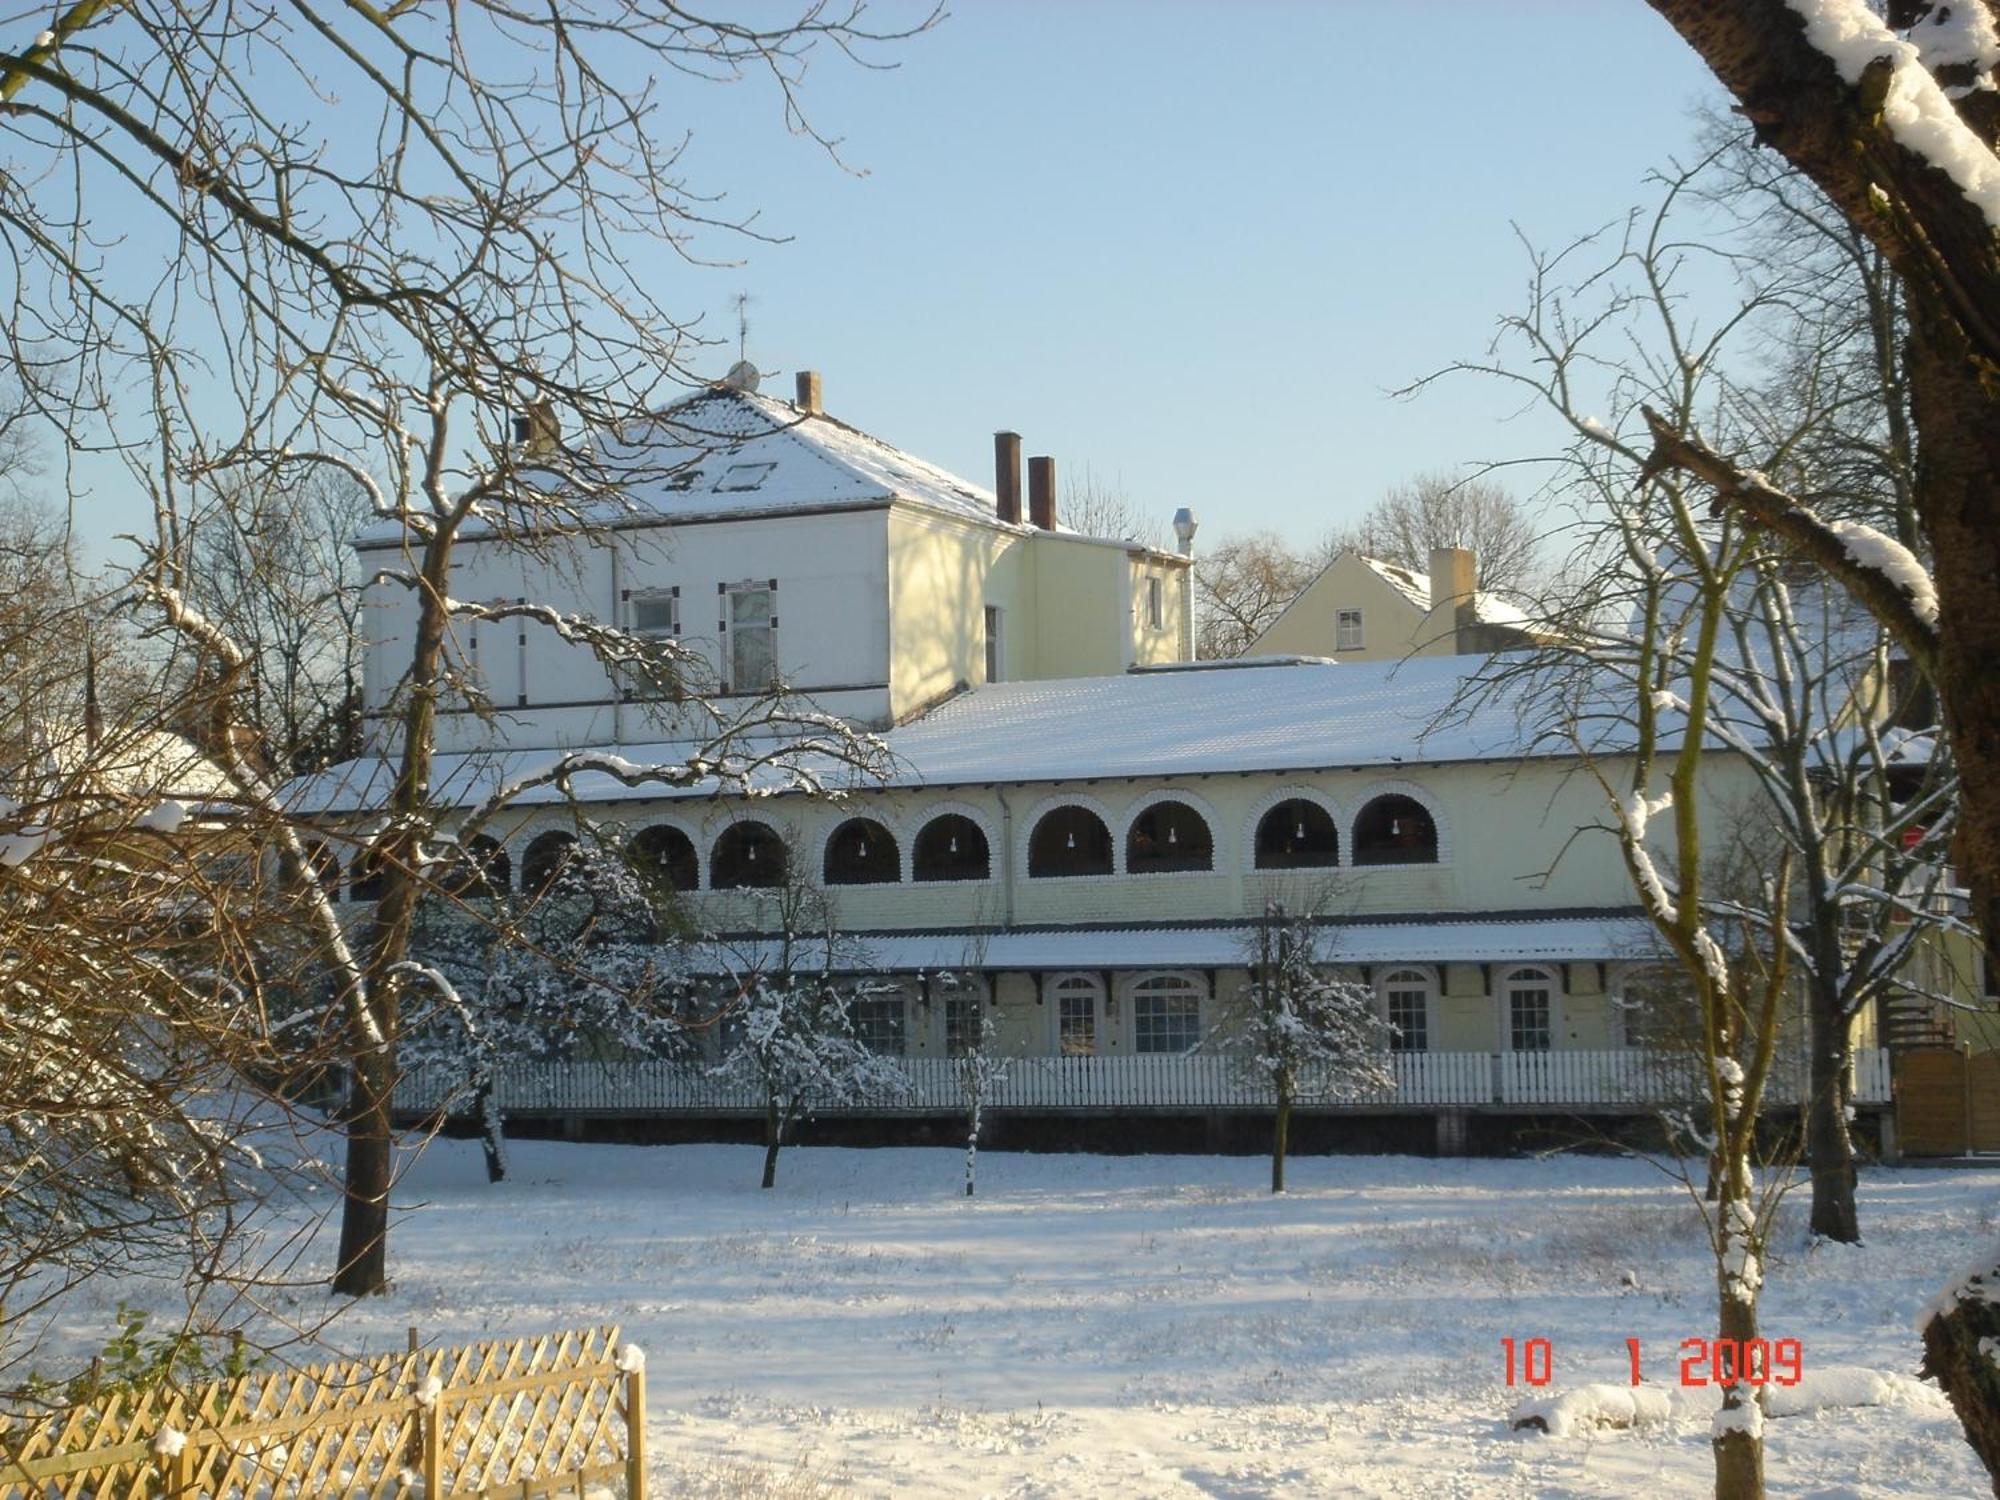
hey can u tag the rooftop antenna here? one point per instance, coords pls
(742, 325)
(742, 375)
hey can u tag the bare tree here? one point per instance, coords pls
(1096, 506)
(1242, 584)
(397, 233)
(1441, 510)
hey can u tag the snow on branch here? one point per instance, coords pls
(1879, 571)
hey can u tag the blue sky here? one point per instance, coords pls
(1191, 246)
(1194, 245)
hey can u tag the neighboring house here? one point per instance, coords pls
(1363, 609)
(788, 545)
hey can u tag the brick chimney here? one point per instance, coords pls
(1007, 477)
(1454, 575)
(1042, 493)
(809, 399)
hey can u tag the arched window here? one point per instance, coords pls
(1530, 998)
(1406, 1001)
(1079, 1001)
(546, 858)
(1297, 835)
(951, 847)
(365, 876)
(663, 855)
(1069, 841)
(862, 852)
(473, 871)
(1395, 830)
(325, 866)
(1169, 836)
(1166, 1014)
(747, 854)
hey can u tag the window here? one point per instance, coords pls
(992, 643)
(1297, 835)
(1656, 1007)
(1168, 836)
(748, 854)
(1395, 830)
(546, 859)
(1077, 1000)
(1069, 841)
(740, 477)
(951, 847)
(1156, 608)
(862, 852)
(1347, 630)
(879, 1024)
(750, 625)
(963, 1029)
(1166, 1014)
(1530, 995)
(365, 877)
(664, 856)
(1406, 999)
(656, 613)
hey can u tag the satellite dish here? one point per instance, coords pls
(742, 376)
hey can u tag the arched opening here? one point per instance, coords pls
(747, 855)
(1530, 998)
(1406, 1002)
(1297, 834)
(1166, 1014)
(475, 871)
(1069, 841)
(1169, 836)
(664, 856)
(951, 847)
(496, 870)
(366, 876)
(862, 852)
(1079, 1001)
(1395, 830)
(546, 858)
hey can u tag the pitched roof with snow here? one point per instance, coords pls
(1237, 717)
(724, 453)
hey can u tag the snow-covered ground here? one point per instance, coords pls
(1160, 1326)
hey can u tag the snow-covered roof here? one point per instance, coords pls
(1413, 586)
(725, 453)
(1242, 717)
(1486, 938)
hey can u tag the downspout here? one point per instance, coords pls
(618, 619)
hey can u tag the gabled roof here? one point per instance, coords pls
(724, 453)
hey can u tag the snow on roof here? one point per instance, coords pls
(1412, 585)
(1239, 717)
(723, 453)
(1592, 937)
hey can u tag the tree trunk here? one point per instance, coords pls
(1955, 1344)
(1281, 1134)
(1829, 1146)
(492, 1131)
(774, 1137)
(363, 1269)
(972, 1145)
(1739, 1450)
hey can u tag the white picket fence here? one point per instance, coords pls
(1628, 1077)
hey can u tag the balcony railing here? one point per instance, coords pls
(1627, 1078)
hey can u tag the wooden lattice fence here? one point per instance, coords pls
(523, 1417)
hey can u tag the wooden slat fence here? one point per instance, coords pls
(1625, 1077)
(518, 1417)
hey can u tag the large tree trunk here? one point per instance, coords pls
(1829, 1146)
(363, 1269)
(1955, 1345)
(492, 1130)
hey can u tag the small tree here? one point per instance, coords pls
(1302, 1032)
(787, 1018)
(970, 1040)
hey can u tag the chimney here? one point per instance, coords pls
(1007, 477)
(1453, 574)
(537, 430)
(1042, 493)
(809, 400)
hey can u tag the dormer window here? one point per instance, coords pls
(740, 477)
(1347, 630)
(682, 480)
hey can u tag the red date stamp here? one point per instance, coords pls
(1722, 1362)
